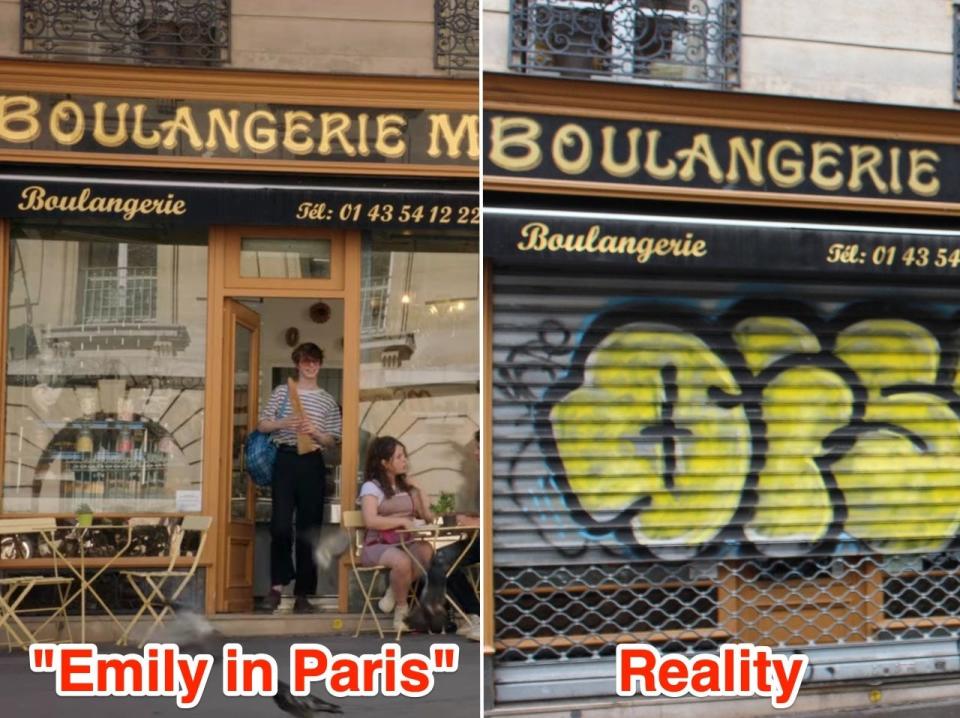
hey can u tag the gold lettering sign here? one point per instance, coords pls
(243, 130)
(621, 152)
(36, 198)
(538, 237)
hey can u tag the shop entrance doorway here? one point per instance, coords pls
(259, 339)
(280, 288)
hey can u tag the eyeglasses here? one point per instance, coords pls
(311, 362)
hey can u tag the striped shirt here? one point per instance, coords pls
(318, 405)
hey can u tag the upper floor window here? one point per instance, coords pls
(456, 38)
(155, 32)
(691, 42)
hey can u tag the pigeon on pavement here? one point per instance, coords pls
(192, 632)
(302, 706)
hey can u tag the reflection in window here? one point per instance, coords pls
(105, 368)
(374, 292)
(242, 346)
(420, 371)
(118, 283)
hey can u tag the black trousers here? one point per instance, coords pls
(459, 586)
(299, 486)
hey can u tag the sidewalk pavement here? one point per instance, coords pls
(943, 709)
(454, 694)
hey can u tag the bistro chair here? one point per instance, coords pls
(14, 590)
(352, 522)
(472, 571)
(164, 587)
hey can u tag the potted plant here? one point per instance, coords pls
(84, 515)
(444, 508)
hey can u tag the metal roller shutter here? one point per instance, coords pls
(689, 464)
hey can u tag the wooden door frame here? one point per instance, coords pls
(228, 375)
(216, 423)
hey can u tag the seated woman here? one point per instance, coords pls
(389, 502)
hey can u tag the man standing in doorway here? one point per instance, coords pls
(299, 477)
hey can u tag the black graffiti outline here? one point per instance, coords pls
(604, 325)
(834, 446)
(666, 430)
(838, 443)
(511, 385)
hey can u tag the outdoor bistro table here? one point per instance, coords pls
(440, 537)
(78, 565)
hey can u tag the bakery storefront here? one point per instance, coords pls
(169, 237)
(724, 393)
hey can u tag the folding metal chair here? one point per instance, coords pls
(157, 581)
(352, 522)
(14, 590)
(472, 571)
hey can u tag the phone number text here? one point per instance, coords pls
(388, 213)
(893, 255)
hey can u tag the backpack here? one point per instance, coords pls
(260, 454)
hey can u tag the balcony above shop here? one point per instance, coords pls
(693, 43)
(390, 350)
(151, 32)
(162, 339)
(456, 40)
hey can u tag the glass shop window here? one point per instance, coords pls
(118, 283)
(105, 368)
(420, 356)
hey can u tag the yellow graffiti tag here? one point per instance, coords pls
(885, 352)
(763, 340)
(642, 426)
(899, 480)
(801, 407)
(658, 424)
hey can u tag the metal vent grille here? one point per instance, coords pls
(551, 613)
(584, 612)
(774, 464)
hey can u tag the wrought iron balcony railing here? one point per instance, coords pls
(456, 40)
(158, 32)
(689, 42)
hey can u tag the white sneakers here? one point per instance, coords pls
(399, 613)
(387, 603)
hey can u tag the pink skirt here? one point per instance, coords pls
(372, 553)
